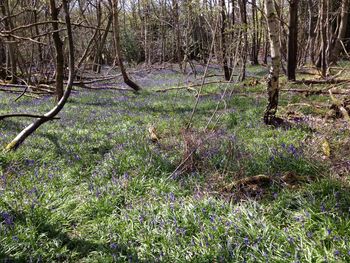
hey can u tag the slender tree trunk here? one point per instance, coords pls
(292, 39)
(119, 58)
(98, 54)
(323, 29)
(341, 32)
(40, 51)
(227, 72)
(11, 46)
(23, 135)
(2, 61)
(178, 50)
(255, 45)
(59, 51)
(273, 79)
(100, 46)
(243, 11)
(311, 40)
(233, 35)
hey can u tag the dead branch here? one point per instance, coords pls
(2, 117)
(190, 87)
(104, 88)
(317, 92)
(320, 81)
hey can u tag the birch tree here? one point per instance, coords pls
(273, 78)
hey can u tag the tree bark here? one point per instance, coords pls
(23, 135)
(311, 37)
(11, 46)
(2, 61)
(223, 41)
(119, 59)
(323, 29)
(342, 31)
(255, 46)
(243, 11)
(59, 76)
(100, 46)
(273, 78)
(292, 39)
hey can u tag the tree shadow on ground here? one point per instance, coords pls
(77, 247)
(11, 125)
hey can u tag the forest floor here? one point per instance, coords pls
(93, 187)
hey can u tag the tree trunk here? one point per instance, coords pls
(255, 46)
(98, 54)
(243, 11)
(119, 59)
(311, 40)
(2, 61)
(20, 138)
(11, 46)
(59, 51)
(273, 78)
(342, 31)
(226, 69)
(178, 54)
(323, 60)
(292, 39)
(100, 46)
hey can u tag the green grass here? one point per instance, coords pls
(91, 187)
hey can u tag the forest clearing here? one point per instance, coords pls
(232, 146)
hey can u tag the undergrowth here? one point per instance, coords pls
(93, 187)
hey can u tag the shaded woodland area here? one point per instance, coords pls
(174, 131)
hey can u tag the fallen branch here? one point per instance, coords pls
(105, 88)
(320, 81)
(191, 87)
(316, 92)
(26, 116)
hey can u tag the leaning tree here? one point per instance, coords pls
(25, 133)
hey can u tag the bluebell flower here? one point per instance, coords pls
(113, 246)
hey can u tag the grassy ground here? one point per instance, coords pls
(92, 187)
